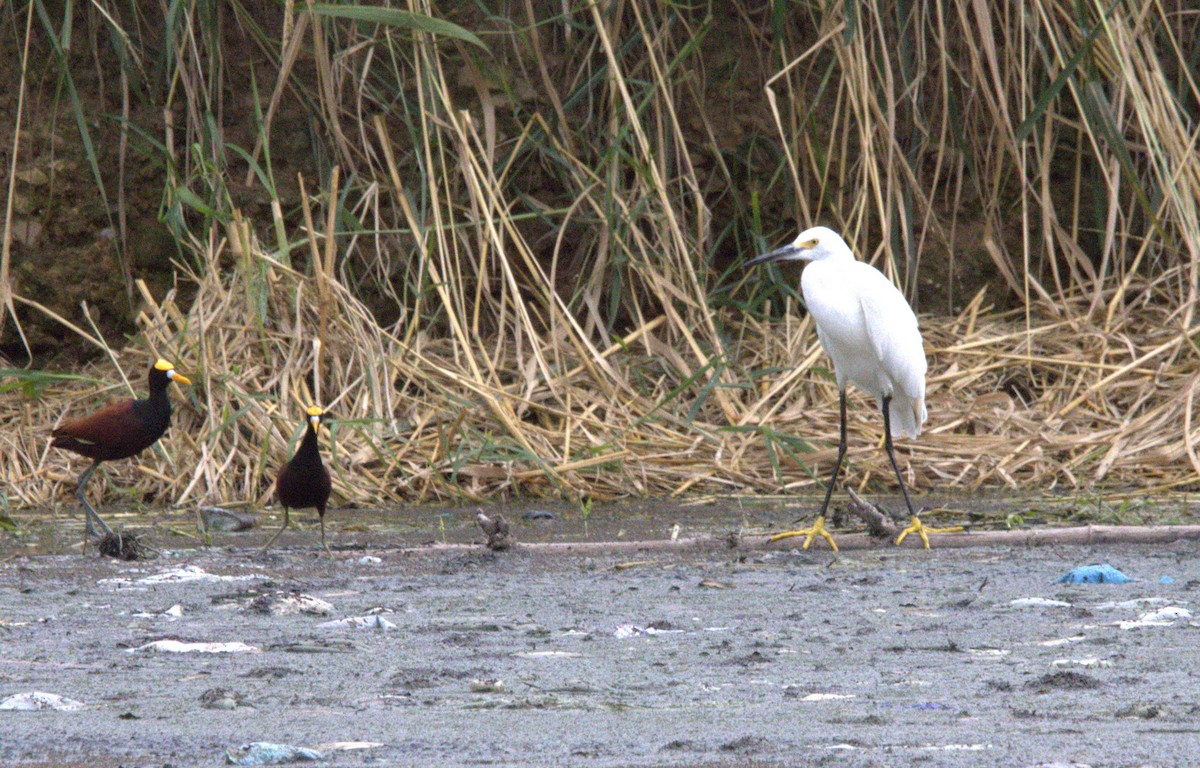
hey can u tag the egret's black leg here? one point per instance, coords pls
(90, 514)
(818, 528)
(837, 466)
(887, 442)
(915, 525)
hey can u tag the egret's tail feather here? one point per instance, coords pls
(907, 415)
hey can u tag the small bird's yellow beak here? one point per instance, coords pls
(178, 378)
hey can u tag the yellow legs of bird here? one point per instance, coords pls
(915, 525)
(818, 528)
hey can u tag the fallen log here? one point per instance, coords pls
(1077, 536)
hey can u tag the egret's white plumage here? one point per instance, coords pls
(869, 331)
(865, 326)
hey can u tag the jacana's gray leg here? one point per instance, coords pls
(321, 517)
(271, 540)
(90, 514)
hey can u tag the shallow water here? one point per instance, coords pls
(555, 521)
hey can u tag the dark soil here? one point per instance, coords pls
(714, 658)
(90, 217)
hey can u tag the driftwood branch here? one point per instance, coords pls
(878, 524)
(1082, 535)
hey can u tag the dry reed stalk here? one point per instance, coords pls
(553, 280)
(1076, 410)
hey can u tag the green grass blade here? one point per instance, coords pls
(393, 17)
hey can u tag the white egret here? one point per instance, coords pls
(869, 331)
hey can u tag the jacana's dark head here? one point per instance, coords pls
(163, 373)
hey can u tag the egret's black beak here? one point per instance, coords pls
(779, 254)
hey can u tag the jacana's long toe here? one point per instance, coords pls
(817, 529)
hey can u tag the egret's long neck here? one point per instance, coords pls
(838, 253)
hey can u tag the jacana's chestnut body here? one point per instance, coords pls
(119, 430)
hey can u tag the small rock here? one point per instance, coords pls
(359, 622)
(36, 701)
(1088, 663)
(1066, 680)
(218, 519)
(744, 744)
(1038, 602)
(316, 646)
(266, 753)
(348, 746)
(223, 698)
(496, 528)
(487, 686)
(122, 546)
(179, 575)
(178, 646)
(173, 613)
(827, 696)
(289, 603)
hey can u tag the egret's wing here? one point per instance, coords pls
(835, 312)
(892, 329)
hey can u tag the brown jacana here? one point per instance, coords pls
(304, 482)
(119, 430)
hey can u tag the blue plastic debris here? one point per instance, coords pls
(1166, 580)
(1094, 574)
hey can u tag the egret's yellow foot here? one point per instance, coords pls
(817, 529)
(922, 530)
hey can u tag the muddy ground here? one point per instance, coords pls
(714, 657)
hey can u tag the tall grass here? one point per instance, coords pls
(516, 231)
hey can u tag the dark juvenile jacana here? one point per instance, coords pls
(304, 482)
(119, 430)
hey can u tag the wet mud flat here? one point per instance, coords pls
(716, 657)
